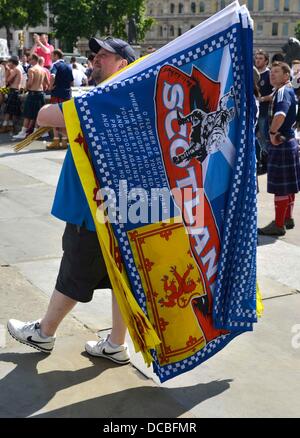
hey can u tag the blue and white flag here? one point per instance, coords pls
(179, 123)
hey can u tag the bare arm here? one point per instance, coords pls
(11, 76)
(46, 83)
(52, 79)
(30, 79)
(32, 51)
(275, 126)
(52, 116)
(44, 48)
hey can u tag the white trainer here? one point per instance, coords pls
(20, 136)
(29, 333)
(103, 348)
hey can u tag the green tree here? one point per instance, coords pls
(297, 31)
(84, 18)
(17, 14)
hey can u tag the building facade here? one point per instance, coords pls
(274, 20)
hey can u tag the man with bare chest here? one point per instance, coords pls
(13, 105)
(36, 84)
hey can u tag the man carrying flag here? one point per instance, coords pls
(82, 267)
(184, 279)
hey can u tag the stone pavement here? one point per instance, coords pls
(258, 374)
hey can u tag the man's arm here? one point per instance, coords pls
(52, 76)
(52, 80)
(32, 51)
(281, 108)
(52, 116)
(30, 79)
(46, 82)
(276, 124)
(44, 48)
(11, 76)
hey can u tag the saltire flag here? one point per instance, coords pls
(178, 122)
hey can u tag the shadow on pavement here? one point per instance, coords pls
(23, 392)
(266, 240)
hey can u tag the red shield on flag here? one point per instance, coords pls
(178, 94)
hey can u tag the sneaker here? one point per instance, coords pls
(29, 333)
(64, 143)
(289, 224)
(272, 230)
(20, 136)
(103, 348)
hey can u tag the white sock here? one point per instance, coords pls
(23, 130)
(10, 123)
(112, 344)
(44, 336)
(5, 123)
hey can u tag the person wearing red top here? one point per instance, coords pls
(43, 49)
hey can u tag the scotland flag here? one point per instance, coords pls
(165, 153)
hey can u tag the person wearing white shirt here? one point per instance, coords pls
(80, 77)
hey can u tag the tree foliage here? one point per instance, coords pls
(297, 31)
(17, 14)
(85, 18)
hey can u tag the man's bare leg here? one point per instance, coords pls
(119, 328)
(113, 348)
(60, 305)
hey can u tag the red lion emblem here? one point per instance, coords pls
(184, 286)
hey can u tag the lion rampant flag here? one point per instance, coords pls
(177, 123)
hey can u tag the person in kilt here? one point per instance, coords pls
(13, 104)
(283, 154)
(35, 100)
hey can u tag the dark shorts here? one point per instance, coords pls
(35, 100)
(13, 103)
(82, 269)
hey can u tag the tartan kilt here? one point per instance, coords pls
(13, 103)
(33, 103)
(284, 168)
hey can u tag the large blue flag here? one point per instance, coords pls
(171, 144)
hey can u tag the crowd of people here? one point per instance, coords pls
(41, 75)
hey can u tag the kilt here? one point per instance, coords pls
(284, 168)
(34, 102)
(13, 104)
